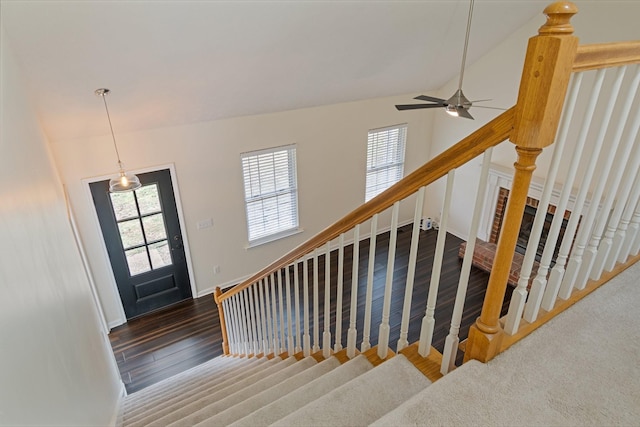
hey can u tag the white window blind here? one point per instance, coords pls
(385, 159)
(271, 194)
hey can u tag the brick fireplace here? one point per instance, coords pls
(484, 252)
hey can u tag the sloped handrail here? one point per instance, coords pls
(489, 135)
(604, 55)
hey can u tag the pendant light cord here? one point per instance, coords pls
(466, 43)
(111, 128)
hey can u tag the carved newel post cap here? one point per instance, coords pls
(558, 18)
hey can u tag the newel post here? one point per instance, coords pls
(223, 325)
(544, 83)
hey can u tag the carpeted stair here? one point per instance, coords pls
(260, 391)
(565, 373)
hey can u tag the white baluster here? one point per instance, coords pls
(540, 282)
(558, 271)
(352, 332)
(244, 330)
(366, 330)
(296, 297)
(289, 309)
(267, 312)
(579, 262)
(618, 247)
(383, 334)
(635, 245)
(274, 317)
(263, 319)
(244, 303)
(632, 236)
(234, 325)
(453, 339)
(595, 256)
(255, 298)
(411, 271)
(306, 339)
(253, 316)
(316, 305)
(326, 334)
(428, 321)
(228, 317)
(338, 339)
(283, 333)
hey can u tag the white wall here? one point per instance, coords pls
(496, 76)
(331, 157)
(56, 367)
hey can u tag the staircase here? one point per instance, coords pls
(278, 391)
(575, 384)
(278, 311)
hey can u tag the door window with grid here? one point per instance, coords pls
(271, 193)
(385, 159)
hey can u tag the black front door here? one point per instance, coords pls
(143, 238)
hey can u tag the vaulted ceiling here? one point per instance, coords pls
(177, 62)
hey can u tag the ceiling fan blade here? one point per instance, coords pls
(482, 100)
(464, 113)
(429, 98)
(417, 106)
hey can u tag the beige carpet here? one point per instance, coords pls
(582, 368)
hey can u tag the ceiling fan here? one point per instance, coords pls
(458, 105)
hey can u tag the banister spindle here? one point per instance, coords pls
(632, 233)
(593, 227)
(253, 314)
(453, 339)
(366, 329)
(338, 330)
(545, 78)
(296, 297)
(352, 332)
(243, 324)
(306, 338)
(383, 334)
(258, 313)
(289, 309)
(269, 319)
(428, 321)
(230, 325)
(621, 232)
(283, 333)
(316, 305)
(411, 271)
(274, 315)
(326, 334)
(263, 319)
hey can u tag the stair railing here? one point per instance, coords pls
(258, 325)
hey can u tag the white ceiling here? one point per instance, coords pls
(176, 62)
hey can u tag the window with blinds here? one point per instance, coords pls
(271, 194)
(385, 159)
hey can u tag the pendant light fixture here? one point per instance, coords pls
(124, 182)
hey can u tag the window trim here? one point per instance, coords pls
(292, 169)
(403, 127)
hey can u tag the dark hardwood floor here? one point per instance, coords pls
(169, 341)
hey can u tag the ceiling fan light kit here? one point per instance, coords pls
(458, 105)
(124, 182)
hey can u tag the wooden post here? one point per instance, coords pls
(223, 325)
(545, 79)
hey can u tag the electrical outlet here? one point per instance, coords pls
(216, 269)
(206, 223)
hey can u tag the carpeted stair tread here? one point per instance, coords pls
(307, 393)
(246, 393)
(272, 394)
(173, 413)
(363, 399)
(210, 368)
(161, 406)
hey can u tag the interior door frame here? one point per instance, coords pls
(183, 229)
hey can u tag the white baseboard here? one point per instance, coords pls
(116, 418)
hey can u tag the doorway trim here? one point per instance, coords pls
(185, 240)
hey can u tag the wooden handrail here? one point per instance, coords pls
(489, 135)
(604, 55)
